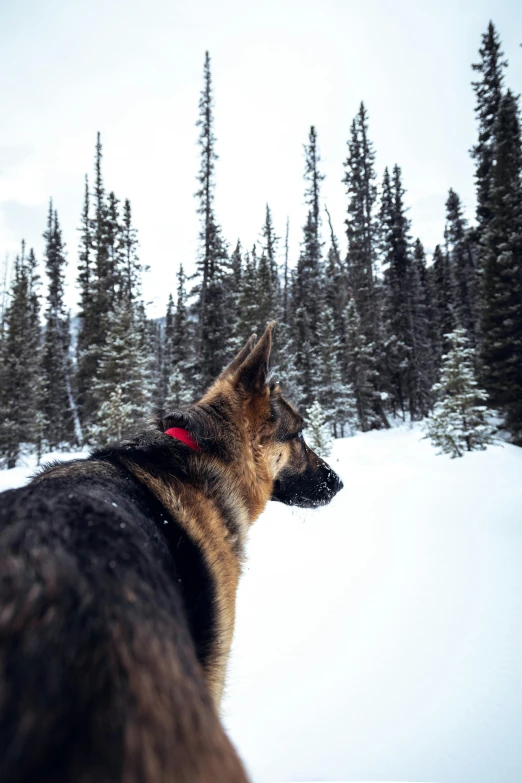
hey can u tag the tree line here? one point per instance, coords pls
(364, 321)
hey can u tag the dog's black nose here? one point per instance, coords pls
(340, 485)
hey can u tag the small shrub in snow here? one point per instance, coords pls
(318, 431)
(459, 420)
(178, 392)
(113, 417)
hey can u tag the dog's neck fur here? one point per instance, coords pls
(217, 516)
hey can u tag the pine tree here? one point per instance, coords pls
(247, 300)
(488, 90)
(334, 395)
(98, 279)
(235, 281)
(57, 403)
(116, 416)
(4, 278)
(86, 355)
(502, 272)
(178, 360)
(20, 386)
(396, 259)
(461, 262)
(268, 294)
(318, 432)
(361, 223)
(121, 386)
(181, 338)
(167, 352)
(458, 422)
(178, 394)
(425, 349)
(128, 267)
(287, 372)
(361, 371)
(307, 294)
(335, 290)
(286, 278)
(443, 292)
(155, 348)
(362, 231)
(213, 300)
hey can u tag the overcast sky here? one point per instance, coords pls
(133, 70)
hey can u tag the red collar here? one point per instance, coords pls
(184, 437)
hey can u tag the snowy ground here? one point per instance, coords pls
(20, 475)
(380, 638)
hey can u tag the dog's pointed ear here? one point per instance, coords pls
(240, 358)
(253, 372)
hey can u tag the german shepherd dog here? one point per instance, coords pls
(118, 578)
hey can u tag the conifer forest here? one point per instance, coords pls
(369, 329)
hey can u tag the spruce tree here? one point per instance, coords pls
(443, 293)
(287, 372)
(361, 371)
(362, 231)
(318, 431)
(98, 279)
(212, 290)
(461, 262)
(502, 273)
(268, 294)
(335, 289)
(459, 420)
(155, 346)
(488, 91)
(86, 354)
(398, 325)
(424, 355)
(180, 386)
(234, 283)
(121, 389)
(247, 300)
(361, 223)
(335, 396)
(57, 403)
(286, 277)
(307, 293)
(128, 269)
(167, 352)
(20, 374)
(4, 278)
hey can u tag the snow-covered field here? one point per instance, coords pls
(380, 638)
(21, 474)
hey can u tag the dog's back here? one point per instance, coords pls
(100, 650)
(118, 581)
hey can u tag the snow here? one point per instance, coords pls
(18, 476)
(380, 638)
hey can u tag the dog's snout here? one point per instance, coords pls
(336, 483)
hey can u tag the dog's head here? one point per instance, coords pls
(244, 422)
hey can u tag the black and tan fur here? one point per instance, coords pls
(118, 580)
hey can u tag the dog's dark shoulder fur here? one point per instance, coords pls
(85, 541)
(115, 524)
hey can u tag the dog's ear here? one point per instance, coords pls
(240, 358)
(252, 374)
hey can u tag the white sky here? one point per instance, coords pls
(133, 70)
